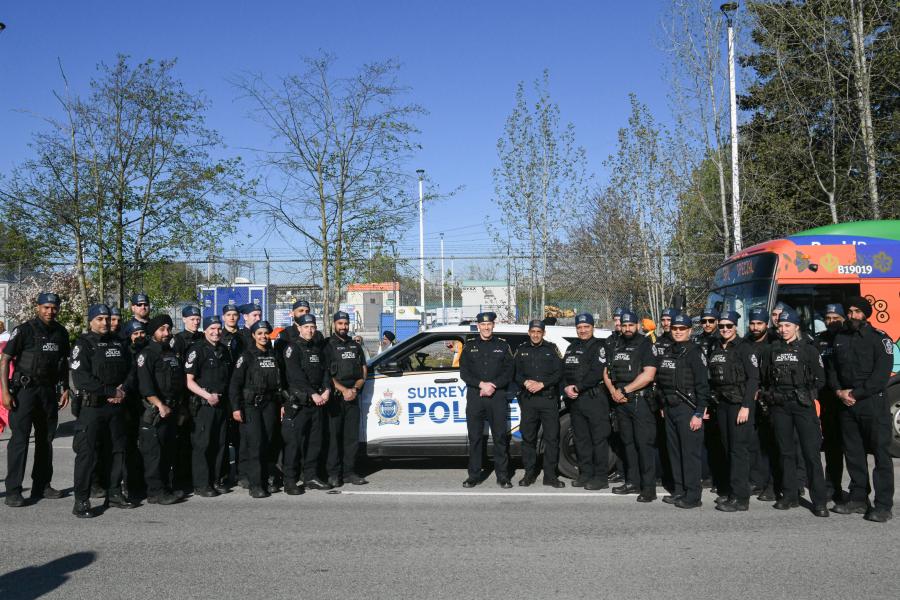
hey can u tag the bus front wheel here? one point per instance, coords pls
(894, 399)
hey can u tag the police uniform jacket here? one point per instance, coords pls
(256, 376)
(211, 366)
(663, 341)
(733, 372)
(583, 365)
(681, 372)
(306, 369)
(791, 371)
(628, 357)
(346, 360)
(183, 340)
(538, 363)
(40, 352)
(862, 361)
(486, 360)
(100, 364)
(234, 341)
(707, 341)
(160, 373)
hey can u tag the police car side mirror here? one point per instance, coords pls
(391, 369)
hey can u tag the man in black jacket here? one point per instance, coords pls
(538, 369)
(486, 367)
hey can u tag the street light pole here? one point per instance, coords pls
(728, 10)
(443, 304)
(421, 174)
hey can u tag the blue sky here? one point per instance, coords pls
(461, 59)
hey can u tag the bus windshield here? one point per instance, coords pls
(743, 285)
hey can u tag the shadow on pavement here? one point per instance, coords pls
(34, 582)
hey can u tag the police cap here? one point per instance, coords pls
(682, 320)
(133, 326)
(97, 310)
(260, 325)
(618, 311)
(230, 308)
(789, 315)
(213, 320)
(48, 298)
(536, 324)
(299, 303)
(140, 298)
(246, 309)
(190, 311)
(729, 315)
(115, 311)
(628, 317)
(710, 313)
(834, 309)
(486, 317)
(584, 318)
(307, 319)
(340, 316)
(669, 312)
(759, 314)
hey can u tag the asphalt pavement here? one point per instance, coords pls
(414, 532)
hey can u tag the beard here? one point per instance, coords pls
(855, 324)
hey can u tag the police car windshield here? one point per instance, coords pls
(741, 297)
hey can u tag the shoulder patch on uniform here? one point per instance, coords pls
(14, 333)
(141, 360)
(239, 362)
(703, 358)
(655, 350)
(753, 360)
(288, 351)
(602, 353)
(888, 345)
(821, 364)
(75, 364)
(75, 351)
(192, 356)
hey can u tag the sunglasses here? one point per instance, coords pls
(708, 321)
(679, 328)
(142, 304)
(726, 325)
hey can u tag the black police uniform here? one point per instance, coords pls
(715, 453)
(636, 418)
(707, 341)
(790, 376)
(539, 363)
(734, 381)
(584, 362)
(346, 364)
(683, 383)
(183, 340)
(255, 390)
(234, 341)
(829, 412)
(488, 361)
(306, 373)
(160, 373)
(862, 362)
(180, 343)
(134, 410)
(100, 364)
(211, 366)
(39, 351)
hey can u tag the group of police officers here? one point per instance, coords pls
(749, 410)
(156, 412)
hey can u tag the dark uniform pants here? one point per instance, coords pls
(540, 412)
(637, 426)
(715, 460)
(158, 449)
(736, 443)
(494, 411)
(183, 454)
(257, 436)
(302, 437)
(134, 463)
(592, 428)
(866, 428)
(343, 435)
(762, 450)
(832, 442)
(208, 445)
(788, 418)
(34, 407)
(685, 451)
(99, 430)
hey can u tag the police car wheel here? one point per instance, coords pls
(894, 398)
(568, 460)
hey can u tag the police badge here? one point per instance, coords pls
(387, 409)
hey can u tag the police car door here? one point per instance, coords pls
(416, 397)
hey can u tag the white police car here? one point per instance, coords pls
(414, 403)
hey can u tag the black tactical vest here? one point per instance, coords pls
(311, 361)
(109, 359)
(214, 365)
(169, 374)
(625, 360)
(578, 358)
(42, 359)
(786, 373)
(726, 373)
(345, 366)
(263, 375)
(673, 372)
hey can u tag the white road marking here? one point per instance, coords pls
(483, 494)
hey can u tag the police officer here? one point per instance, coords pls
(208, 369)
(233, 339)
(290, 334)
(231, 335)
(630, 369)
(100, 365)
(115, 320)
(347, 370)
(486, 367)
(734, 379)
(184, 339)
(538, 370)
(763, 450)
(38, 348)
(252, 313)
(830, 406)
(140, 310)
(683, 383)
(160, 376)
(664, 338)
(307, 384)
(708, 336)
(861, 367)
(134, 337)
(255, 393)
(791, 373)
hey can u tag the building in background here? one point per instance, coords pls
(495, 295)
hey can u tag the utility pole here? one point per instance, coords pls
(452, 283)
(443, 304)
(728, 10)
(421, 174)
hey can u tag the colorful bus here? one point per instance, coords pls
(820, 266)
